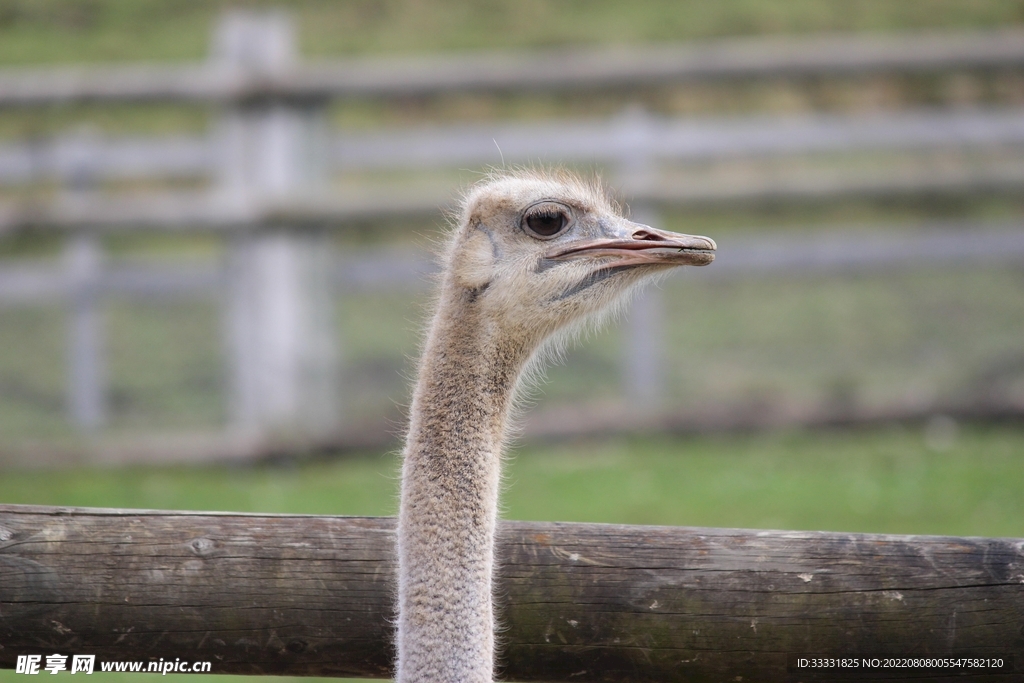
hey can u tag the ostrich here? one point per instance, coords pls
(533, 254)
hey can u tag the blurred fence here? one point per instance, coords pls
(262, 177)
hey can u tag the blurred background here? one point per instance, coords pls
(217, 221)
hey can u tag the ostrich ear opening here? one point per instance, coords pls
(473, 263)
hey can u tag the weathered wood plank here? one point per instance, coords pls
(945, 244)
(200, 211)
(70, 158)
(266, 594)
(557, 70)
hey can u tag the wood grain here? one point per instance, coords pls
(308, 595)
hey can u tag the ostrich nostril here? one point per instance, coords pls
(647, 236)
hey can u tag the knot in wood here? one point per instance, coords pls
(202, 546)
(297, 646)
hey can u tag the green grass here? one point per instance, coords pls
(106, 30)
(872, 340)
(165, 365)
(873, 480)
(879, 480)
(33, 370)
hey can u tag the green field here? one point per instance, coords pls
(886, 479)
(106, 30)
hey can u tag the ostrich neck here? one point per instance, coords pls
(450, 482)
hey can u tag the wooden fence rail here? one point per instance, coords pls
(853, 250)
(307, 595)
(206, 212)
(562, 70)
(72, 158)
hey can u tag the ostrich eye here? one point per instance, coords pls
(546, 221)
(546, 224)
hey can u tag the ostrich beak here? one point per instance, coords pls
(644, 245)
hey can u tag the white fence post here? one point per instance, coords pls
(643, 354)
(83, 262)
(280, 310)
(642, 367)
(87, 369)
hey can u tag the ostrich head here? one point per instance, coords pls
(532, 254)
(538, 252)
